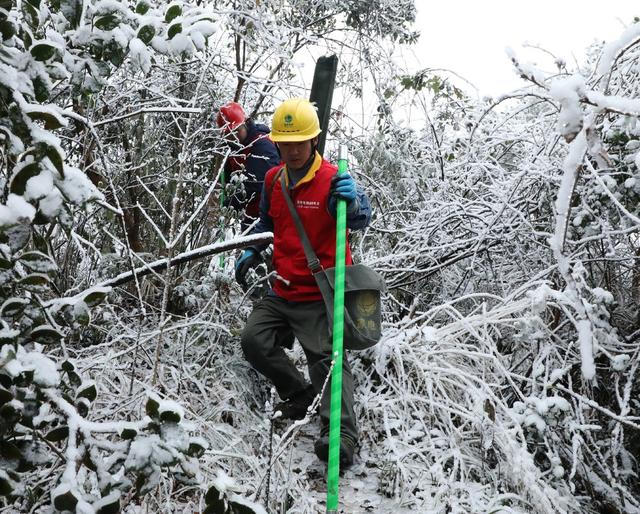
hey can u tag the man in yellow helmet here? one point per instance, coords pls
(295, 302)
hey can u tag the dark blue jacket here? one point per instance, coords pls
(258, 155)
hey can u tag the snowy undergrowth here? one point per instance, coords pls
(449, 420)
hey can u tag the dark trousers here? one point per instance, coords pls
(262, 346)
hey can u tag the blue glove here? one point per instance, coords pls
(247, 260)
(343, 186)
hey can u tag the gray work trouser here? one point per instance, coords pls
(261, 344)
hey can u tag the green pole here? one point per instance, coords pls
(333, 475)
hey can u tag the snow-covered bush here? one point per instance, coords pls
(519, 243)
(51, 452)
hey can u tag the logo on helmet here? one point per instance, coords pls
(288, 119)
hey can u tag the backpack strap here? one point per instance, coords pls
(273, 184)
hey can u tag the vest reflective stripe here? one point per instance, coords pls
(289, 261)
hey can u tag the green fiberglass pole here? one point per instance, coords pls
(333, 475)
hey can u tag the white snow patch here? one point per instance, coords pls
(160, 45)
(44, 369)
(199, 40)
(181, 44)
(39, 186)
(16, 209)
(568, 92)
(619, 362)
(8, 333)
(585, 338)
(170, 406)
(602, 295)
(611, 50)
(77, 187)
(107, 500)
(203, 27)
(140, 55)
(223, 482)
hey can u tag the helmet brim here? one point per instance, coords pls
(283, 137)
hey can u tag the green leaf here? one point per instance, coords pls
(41, 89)
(51, 121)
(114, 53)
(18, 183)
(146, 34)
(43, 51)
(17, 236)
(72, 11)
(108, 505)
(170, 416)
(172, 13)
(56, 159)
(40, 243)
(67, 366)
(82, 406)
(38, 261)
(215, 500)
(46, 334)
(142, 7)
(81, 313)
(88, 461)
(43, 150)
(65, 499)
(196, 448)
(57, 434)
(74, 379)
(96, 296)
(7, 29)
(108, 22)
(35, 282)
(10, 451)
(239, 508)
(5, 396)
(5, 380)
(128, 433)
(152, 407)
(7, 486)
(25, 378)
(176, 28)
(9, 413)
(31, 14)
(40, 218)
(26, 36)
(87, 390)
(13, 306)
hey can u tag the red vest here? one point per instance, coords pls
(310, 199)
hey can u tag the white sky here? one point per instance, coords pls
(469, 37)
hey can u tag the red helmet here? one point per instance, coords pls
(231, 116)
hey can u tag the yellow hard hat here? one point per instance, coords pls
(295, 120)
